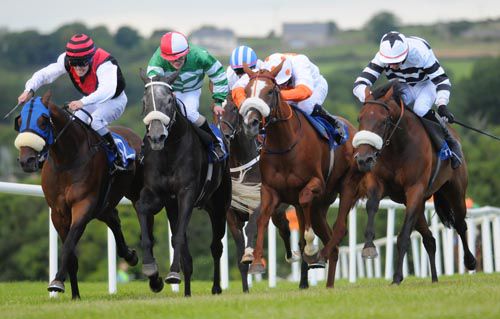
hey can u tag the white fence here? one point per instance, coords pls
(351, 264)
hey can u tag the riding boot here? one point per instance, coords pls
(453, 144)
(320, 111)
(218, 152)
(117, 163)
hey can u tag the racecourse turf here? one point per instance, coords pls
(466, 296)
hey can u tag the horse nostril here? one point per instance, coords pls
(255, 122)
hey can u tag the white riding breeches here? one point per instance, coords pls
(318, 97)
(191, 101)
(422, 96)
(104, 113)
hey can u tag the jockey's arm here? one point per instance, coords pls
(46, 75)
(299, 93)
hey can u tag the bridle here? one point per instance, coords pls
(155, 114)
(388, 123)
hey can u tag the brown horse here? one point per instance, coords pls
(297, 168)
(393, 145)
(75, 179)
(245, 207)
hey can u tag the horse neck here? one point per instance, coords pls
(243, 149)
(71, 141)
(180, 128)
(282, 133)
(400, 139)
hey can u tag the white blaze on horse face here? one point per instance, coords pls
(368, 137)
(310, 249)
(257, 87)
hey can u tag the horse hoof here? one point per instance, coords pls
(470, 263)
(216, 290)
(150, 270)
(173, 278)
(56, 286)
(311, 259)
(295, 257)
(247, 257)
(319, 264)
(132, 258)
(369, 253)
(255, 269)
(156, 284)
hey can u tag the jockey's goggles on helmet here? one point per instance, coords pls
(240, 71)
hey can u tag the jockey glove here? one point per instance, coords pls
(443, 112)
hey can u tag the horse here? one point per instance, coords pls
(179, 177)
(395, 149)
(75, 179)
(245, 207)
(297, 168)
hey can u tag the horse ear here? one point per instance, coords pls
(172, 77)
(143, 75)
(277, 69)
(248, 70)
(46, 98)
(389, 93)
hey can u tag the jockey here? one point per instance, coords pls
(176, 53)
(411, 61)
(239, 56)
(300, 83)
(95, 74)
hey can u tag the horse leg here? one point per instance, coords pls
(62, 225)
(281, 222)
(218, 219)
(251, 231)
(185, 200)
(304, 267)
(80, 218)
(235, 225)
(112, 219)
(429, 243)
(306, 196)
(321, 228)
(146, 207)
(269, 201)
(372, 205)
(187, 267)
(414, 207)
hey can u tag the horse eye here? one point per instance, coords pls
(42, 122)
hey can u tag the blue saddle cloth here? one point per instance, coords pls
(211, 155)
(445, 152)
(326, 131)
(126, 152)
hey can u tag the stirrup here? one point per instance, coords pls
(218, 153)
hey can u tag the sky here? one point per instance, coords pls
(245, 18)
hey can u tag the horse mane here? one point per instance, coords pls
(382, 90)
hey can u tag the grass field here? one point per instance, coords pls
(469, 296)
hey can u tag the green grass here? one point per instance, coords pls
(475, 296)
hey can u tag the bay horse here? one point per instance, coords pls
(75, 179)
(393, 146)
(245, 207)
(178, 177)
(297, 168)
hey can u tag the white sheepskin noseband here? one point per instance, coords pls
(256, 103)
(367, 137)
(156, 115)
(29, 139)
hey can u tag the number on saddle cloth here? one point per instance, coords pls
(125, 150)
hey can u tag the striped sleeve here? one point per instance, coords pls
(437, 75)
(370, 73)
(218, 77)
(155, 65)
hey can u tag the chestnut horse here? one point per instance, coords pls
(178, 177)
(245, 207)
(394, 147)
(297, 168)
(75, 179)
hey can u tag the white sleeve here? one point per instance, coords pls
(107, 78)
(242, 82)
(302, 71)
(46, 75)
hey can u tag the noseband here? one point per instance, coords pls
(155, 114)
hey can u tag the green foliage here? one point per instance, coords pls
(380, 24)
(127, 37)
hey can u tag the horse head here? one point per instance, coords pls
(231, 120)
(35, 133)
(378, 120)
(159, 106)
(263, 98)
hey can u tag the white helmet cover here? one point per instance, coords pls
(286, 70)
(393, 48)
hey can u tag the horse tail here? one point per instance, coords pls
(443, 209)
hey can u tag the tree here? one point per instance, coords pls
(127, 37)
(380, 24)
